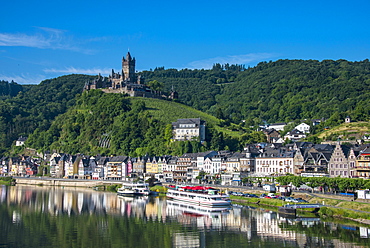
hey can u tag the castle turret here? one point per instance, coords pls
(128, 68)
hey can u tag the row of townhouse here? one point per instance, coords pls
(258, 160)
(310, 160)
(19, 166)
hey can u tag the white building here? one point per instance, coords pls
(276, 126)
(303, 127)
(295, 135)
(212, 165)
(187, 129)
(275, 162)
(20, 141)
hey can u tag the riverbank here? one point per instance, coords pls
(60, 182)
(334, 206)
(7, 181)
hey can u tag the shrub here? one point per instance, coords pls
(113, 187)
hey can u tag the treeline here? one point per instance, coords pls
(288, 90)
(8, 90)
(335, 184)
(25, 110)
(279, 91)
(196, 88)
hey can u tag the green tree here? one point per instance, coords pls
(155, 85)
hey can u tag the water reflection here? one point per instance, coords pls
(245, 226)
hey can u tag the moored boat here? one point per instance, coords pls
(133, 189)
(199, 195)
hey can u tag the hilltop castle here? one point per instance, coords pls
(127, 82)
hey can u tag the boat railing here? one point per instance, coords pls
(205, 192)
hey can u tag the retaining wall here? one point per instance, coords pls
(65, 183)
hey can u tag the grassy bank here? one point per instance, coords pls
(345, 213)
(7, 181)
(334, 208)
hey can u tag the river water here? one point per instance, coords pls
(34, 216)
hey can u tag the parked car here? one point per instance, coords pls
(237, 194)
(289, 199)
(272, 195)
(250, 195)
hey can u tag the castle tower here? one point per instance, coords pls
(128, 68)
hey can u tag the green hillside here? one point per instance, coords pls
(288, 90)
(346, 131)
(169, 111)
(278, 91)
(35, 106)
(111, 124)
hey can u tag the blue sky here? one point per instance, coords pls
(46, 39)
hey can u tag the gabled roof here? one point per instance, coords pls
(324, 147)
(327, 155)
(102, 160)
(196, 121)
(198, 154)
(119, 159)
(22, 138)
(235, 155)
(295, 131)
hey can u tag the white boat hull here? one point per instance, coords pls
(133, 189)
(199, 199)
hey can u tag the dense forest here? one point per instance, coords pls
(22, 111)
(56, 115)
(279, 91)
(8, 90)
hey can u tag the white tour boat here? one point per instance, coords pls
(199, 195)
(133, 189)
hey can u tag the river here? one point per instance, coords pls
(36, 216)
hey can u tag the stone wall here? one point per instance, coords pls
(63, 182)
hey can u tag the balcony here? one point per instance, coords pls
(362, 168)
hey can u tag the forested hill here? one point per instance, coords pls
(35, 107)
(8, 90)
(109, 124)
(277, 91)
(300, 89)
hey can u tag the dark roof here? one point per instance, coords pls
(324, 147)
(295, 131)
(118, 159)
(196, 121)
(275, 124)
